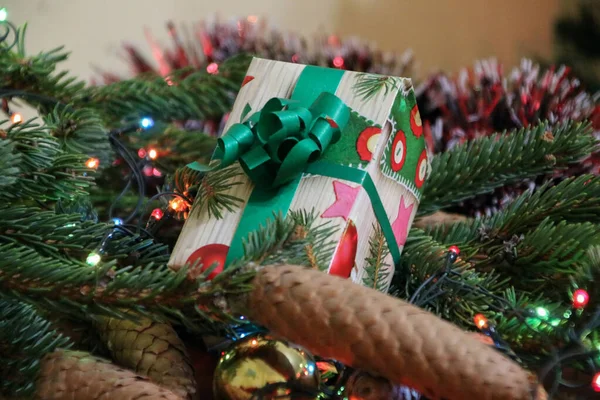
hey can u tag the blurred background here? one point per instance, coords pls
(443, 34)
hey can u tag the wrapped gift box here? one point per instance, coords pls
(363, 171)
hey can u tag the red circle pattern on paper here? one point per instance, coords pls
(421, 172)
(362, 143)
(416, 125)
(398, 155)
(209, 255)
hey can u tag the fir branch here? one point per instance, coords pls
(425, 257)
(318, 249)
(46, 172)
(36, 74)
(574, 200)
(80, 131)
(73, 288)
(377, 270)
(486, 163)
(25, 337)
(9, 159)
(199, 95)
(540, 240)
(177, 147)
(213, 191)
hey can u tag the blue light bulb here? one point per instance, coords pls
(117, 221)
(146, 123)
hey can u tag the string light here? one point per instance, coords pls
(156, 172)
(178, 204)
(148, 170)
(117, 221)
(93, 259)
(152, 153)
(338, 62)
(142, 153)
(3, 14)
(16, 118)
(480, 321)
(146, 123)
(254, 342)
(453, 252)
(542, 312)
(157, 214)
(580, 298)
(212, 68)
(92, 163)
(596, 382)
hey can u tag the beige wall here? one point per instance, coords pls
(443, 33)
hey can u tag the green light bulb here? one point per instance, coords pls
(542, 312)
(93, 259)
(3, 14)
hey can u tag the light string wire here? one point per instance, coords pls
(574, 351)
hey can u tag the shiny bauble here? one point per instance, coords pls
(209, 255)
(364, 386)
(260, 361)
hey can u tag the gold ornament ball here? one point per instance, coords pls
(260, 361)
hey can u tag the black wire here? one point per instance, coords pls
(9, 27)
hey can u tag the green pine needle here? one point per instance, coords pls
(377, 270)
(369, 85)
(212, 191)
(484, 164)
(25, 337)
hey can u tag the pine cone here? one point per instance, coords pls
(152, 349)
(361, 327)
(70, 375)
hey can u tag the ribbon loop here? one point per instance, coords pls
(275, 145)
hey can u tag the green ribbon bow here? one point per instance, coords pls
(275, 145)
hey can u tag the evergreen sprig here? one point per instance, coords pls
(318, 249)
(46, 172)
(80, 131)
(486, 163)
(24, 336)
(199, 95)
(377, 271)
(212, 190)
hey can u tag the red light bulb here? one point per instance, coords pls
(596, 382)
(157, 214)
(338, 62)
(212, 68)
(454, 249)
(580, 298)
(480, 321)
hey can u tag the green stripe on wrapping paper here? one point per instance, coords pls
(264, 203)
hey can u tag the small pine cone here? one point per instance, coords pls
(71, 375)
(364, 328)
(152, 349)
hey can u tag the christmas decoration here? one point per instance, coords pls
(292, 152)
(210, 256)
(81, 246)
(150, 349)
(420, 348)
(266, 366)
(580, 298)
(483, 100)
(364, 386)
(67, 375)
